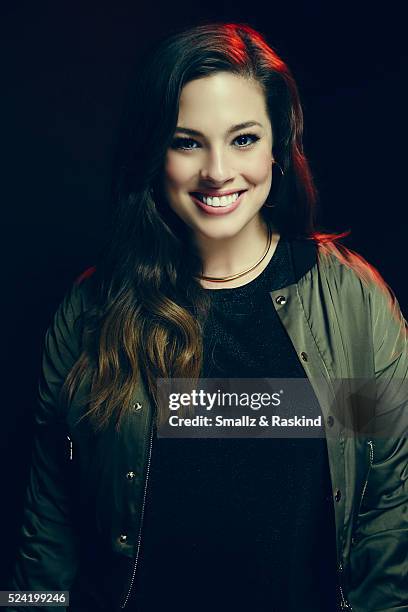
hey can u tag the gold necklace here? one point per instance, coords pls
(223, 279)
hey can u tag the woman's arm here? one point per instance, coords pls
(47, 556)
(379, 554)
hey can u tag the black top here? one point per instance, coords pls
(233, 523)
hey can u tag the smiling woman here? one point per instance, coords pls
(229, 232)
(215, 268)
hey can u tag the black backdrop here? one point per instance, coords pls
(64, 75)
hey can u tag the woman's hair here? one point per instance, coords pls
(149, 311)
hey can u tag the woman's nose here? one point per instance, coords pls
(216, 167)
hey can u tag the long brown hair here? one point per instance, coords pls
(149, 310)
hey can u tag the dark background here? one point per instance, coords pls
(65, 71)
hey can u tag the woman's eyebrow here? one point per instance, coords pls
(234, 128)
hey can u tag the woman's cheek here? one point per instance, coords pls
(257, 168)
(178, 171)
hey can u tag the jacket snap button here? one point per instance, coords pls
(130, 475)
(122, 538)
(281, 299)
(303, 356)
(330, 421)
(136, 407)
(337, 495)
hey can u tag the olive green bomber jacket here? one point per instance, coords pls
(85, 496)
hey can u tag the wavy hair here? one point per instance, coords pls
(149, 311)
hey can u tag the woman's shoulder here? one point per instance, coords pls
(350, 271)
(78, 299)
(88, 273)
(83, 289)
(344, 260)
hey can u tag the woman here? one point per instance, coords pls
(215, 269)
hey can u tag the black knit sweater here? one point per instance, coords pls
(233, 523)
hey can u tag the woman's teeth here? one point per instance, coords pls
(215, 201)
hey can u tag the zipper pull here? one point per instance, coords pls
(70, 448)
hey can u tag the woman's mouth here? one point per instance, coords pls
(217, 206)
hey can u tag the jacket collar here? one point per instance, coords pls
(303, 253)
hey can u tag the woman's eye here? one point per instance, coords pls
(182, 143)
(178, 143)
(254, 138)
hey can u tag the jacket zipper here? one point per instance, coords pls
(370, 444)
(141, 521)
(70, 448)
(344, 603)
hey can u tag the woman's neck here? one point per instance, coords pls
(226, 257)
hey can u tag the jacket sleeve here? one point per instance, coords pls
(379, 554)
(47, 556)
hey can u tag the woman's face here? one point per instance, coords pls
(211, 155)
